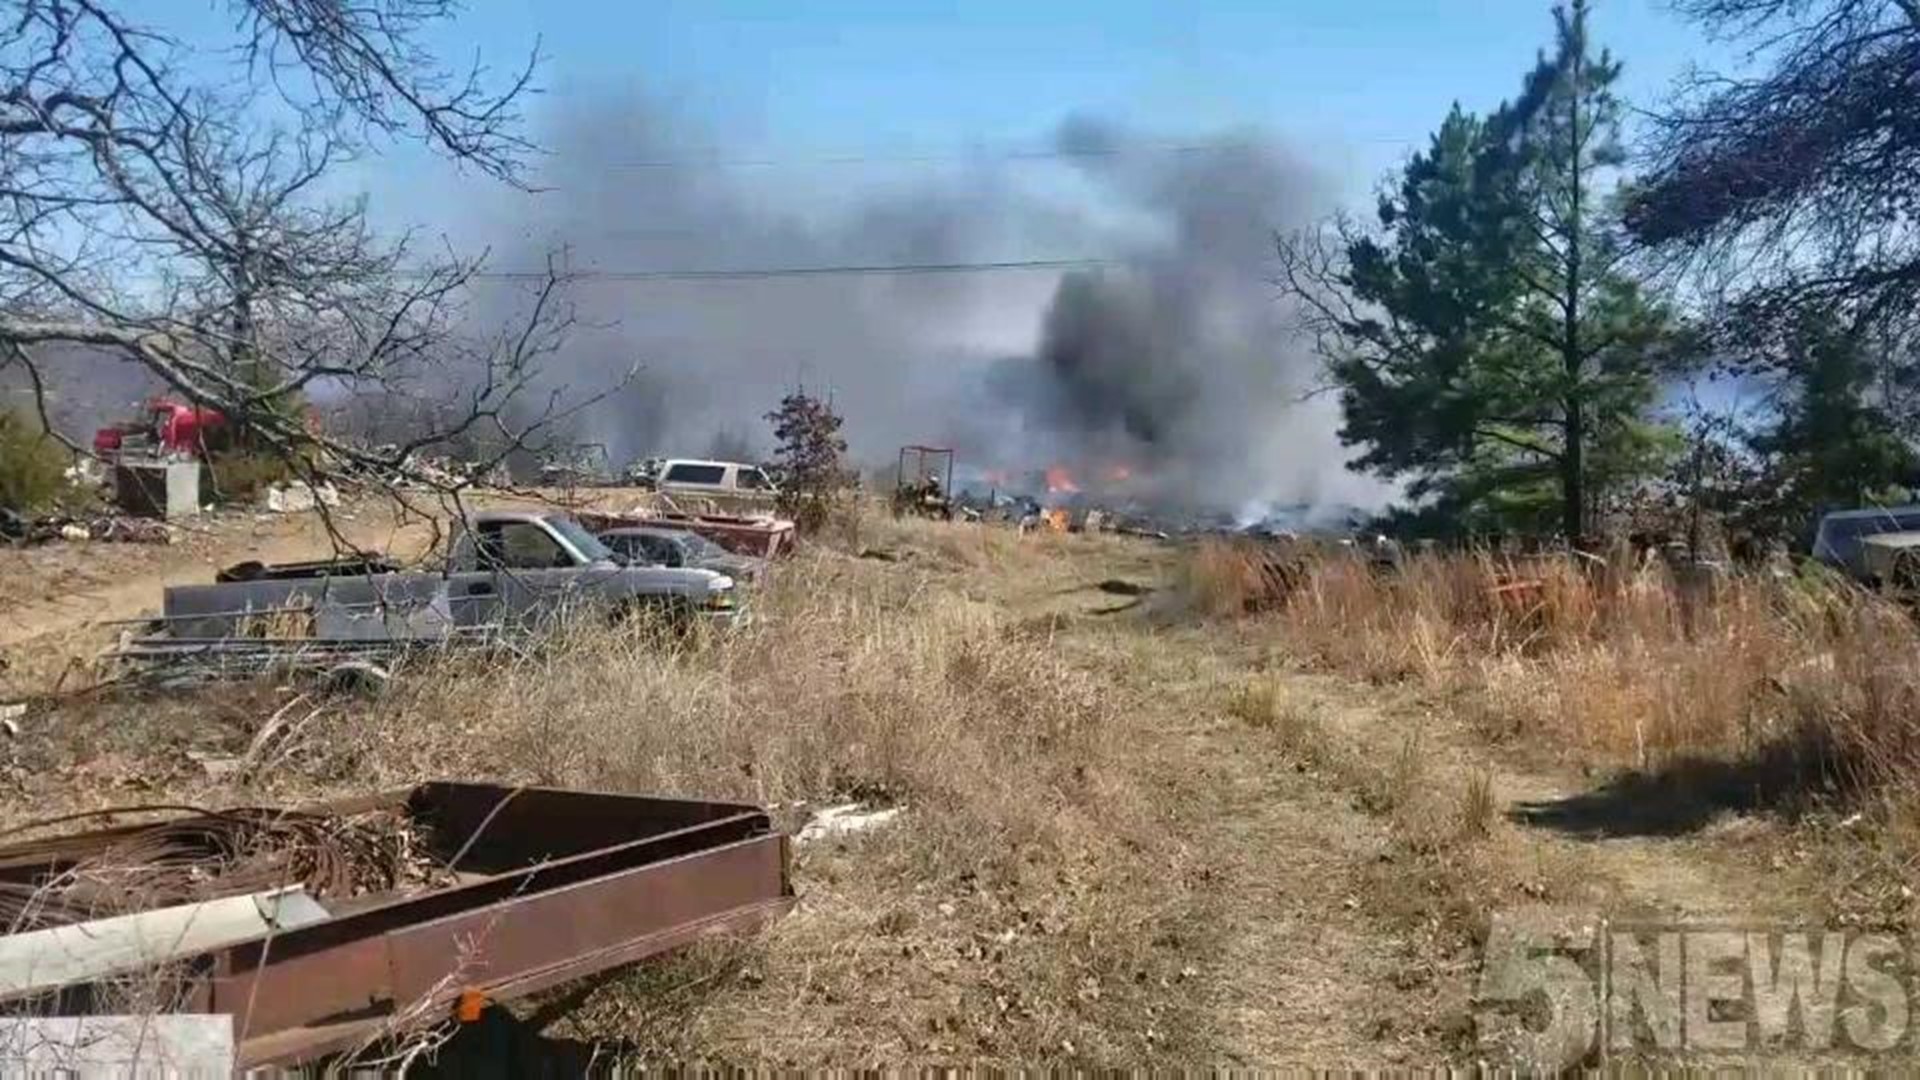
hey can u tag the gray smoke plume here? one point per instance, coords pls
(1175, 360)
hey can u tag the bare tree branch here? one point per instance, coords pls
(172, 221)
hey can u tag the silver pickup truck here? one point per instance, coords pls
(505, 569)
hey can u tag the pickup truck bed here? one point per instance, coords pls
(354, 566)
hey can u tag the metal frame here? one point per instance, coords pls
(553, 885)
(921, 453)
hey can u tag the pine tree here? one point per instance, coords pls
(1486, 340)
(1833, 444)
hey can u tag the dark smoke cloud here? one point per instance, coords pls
(1176, 360)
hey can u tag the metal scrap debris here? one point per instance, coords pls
(208, 856)
(452, 890)
(114, 528)
(56, 956)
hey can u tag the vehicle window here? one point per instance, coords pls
(584, 542)
(658, 549)
(753, 480)
(696, 474)
(520, 545)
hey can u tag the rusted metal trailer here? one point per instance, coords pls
(535, 887)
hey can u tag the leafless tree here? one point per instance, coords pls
(1799, 185)
(163, 202)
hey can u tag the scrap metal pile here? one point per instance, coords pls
(119, 528)
(62, 880)
(172, 660)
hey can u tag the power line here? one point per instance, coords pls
(756, 272)
(720, 161)
(717, 161)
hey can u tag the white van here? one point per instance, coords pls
(729, 481)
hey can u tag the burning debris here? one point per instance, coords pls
(1172, 381)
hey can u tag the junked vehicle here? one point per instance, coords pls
(728, 485)
(1893, 560)
(649, 545)
(513, 570)
(1864, 543)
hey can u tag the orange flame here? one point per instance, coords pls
(1060, 481)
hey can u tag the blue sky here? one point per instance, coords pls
(1353, 83)
(1352, 78)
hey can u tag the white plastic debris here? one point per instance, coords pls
(297, 495)
(85, 471)
(843, 819)
(61, 955)
(176, 1044)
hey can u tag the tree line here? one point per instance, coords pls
(1511, 330)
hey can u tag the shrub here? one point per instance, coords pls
(814, 478)
(33, 467)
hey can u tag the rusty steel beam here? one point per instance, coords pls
(552, 886)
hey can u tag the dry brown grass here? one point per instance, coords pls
(1011, 911)
(1806, 684)
(1448, 856)
(1228, 577)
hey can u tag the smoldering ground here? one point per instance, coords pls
(1172, 356)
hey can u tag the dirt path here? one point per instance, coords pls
(1639, 865)
(1310, 962)
(1304, 974)
(1297, 971)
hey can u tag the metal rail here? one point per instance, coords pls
(552, 886)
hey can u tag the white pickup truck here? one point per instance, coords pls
(512, 569)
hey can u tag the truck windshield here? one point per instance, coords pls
(582, 541)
